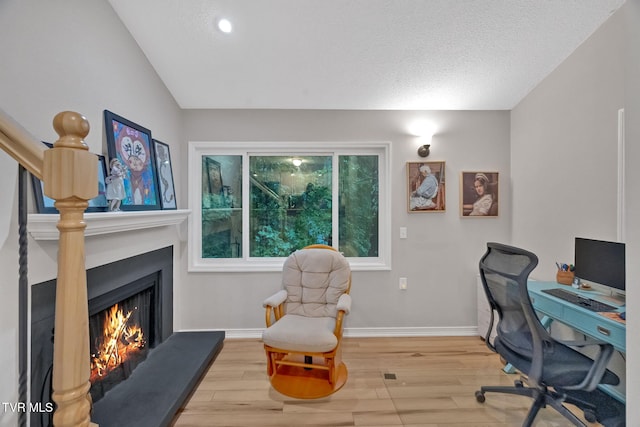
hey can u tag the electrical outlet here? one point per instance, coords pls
(403, 283)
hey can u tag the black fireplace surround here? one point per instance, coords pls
(174, 364)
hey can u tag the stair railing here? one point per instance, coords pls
(69, 173)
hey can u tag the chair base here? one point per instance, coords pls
(541, 398)
(301, 383)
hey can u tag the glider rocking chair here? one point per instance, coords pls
(305, 323)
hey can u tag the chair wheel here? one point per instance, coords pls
(590, 415)
(480, 396)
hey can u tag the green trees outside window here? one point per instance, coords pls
(221, 206)
(290, 203)
(359, 203)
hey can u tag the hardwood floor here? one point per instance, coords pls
(434, 385)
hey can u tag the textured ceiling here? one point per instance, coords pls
(359, 54)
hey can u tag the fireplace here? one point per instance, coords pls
(130, 313)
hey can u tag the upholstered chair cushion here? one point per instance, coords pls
(300, 333)
(314, 280)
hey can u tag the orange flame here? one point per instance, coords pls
(117, 341)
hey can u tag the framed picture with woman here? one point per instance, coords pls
(479, 194)
(426, 187)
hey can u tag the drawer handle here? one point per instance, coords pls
(604, 331)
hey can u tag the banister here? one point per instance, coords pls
(21, 145)
(69, 173)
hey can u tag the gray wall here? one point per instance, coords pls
(564, 160)
(71, 55)
(439, 257)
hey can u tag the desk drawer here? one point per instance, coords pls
(547, 306)
(597, 327)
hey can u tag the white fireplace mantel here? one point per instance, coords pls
(43, 226)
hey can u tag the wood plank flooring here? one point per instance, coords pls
(434, 385)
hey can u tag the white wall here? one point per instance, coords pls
(564, 153)
(70, 55)
(439, 257)
(632, 135)
(564, 158)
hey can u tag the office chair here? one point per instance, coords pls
(305, 324)
(552, 367)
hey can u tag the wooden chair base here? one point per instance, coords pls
(301, 383)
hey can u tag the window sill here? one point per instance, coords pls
(43, 226)
(236, 265)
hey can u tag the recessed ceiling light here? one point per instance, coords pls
(224, 25)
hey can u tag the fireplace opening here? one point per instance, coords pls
(120, 337)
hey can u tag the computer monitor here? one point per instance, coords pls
(600, 262)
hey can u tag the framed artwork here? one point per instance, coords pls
(211, 176)
(426, 187)
(132, 145)
(479, 194)
(99, 203)
(165, 175)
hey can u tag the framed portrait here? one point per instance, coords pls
(426, 187)
(479, 194)
(133, 146)
(165, 175)
(99, 203)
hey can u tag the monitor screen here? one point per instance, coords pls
(600, 262)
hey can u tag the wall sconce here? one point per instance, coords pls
(423, 151)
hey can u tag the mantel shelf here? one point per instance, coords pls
(43, 226)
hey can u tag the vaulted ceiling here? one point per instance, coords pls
(358, 54)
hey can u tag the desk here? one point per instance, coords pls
(579, 318)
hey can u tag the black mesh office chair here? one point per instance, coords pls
(552, 368)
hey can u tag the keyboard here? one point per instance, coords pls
(579, 300)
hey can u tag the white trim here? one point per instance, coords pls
(422, 331)
(418, 331)
(621, 177)
(44, 226)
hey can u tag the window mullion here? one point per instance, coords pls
(246, 205)
(335, 199)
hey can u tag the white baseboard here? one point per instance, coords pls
(412, 331)
(460, 331)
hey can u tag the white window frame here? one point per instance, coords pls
(198, 149)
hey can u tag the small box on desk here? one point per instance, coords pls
(564, 277)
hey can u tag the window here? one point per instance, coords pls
(252, 205)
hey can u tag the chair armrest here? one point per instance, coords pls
(275, 299)
(344, 303)
(273, 304)
(598, 368)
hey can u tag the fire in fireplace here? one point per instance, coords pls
(119, 337)
(120, 341)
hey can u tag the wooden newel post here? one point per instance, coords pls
(70, 177)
